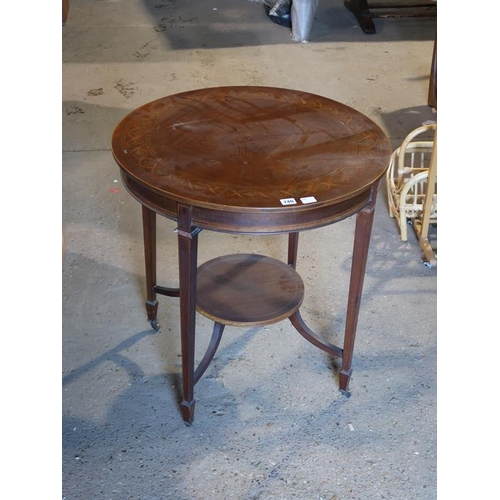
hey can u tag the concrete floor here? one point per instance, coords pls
(270, 422)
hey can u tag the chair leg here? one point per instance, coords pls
(389, 198)
(403, 225)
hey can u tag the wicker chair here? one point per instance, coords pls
(406, 179)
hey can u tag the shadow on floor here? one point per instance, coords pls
(191, 24)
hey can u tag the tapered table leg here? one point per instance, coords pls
(293, 245)
(149, 229)
(362, 13)
(364, 223)
(188, 254)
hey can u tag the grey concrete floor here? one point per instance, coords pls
(270, 422)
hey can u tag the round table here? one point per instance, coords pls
(249, 160)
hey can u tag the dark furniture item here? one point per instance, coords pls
(432, 91)
(365, 12)
(250, 160)
(65, 11)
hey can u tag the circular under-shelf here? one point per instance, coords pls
(248, 289)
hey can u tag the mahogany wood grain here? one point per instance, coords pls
(248, 289)
(233, 153)
(65, 11)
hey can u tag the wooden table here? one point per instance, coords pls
(249, 160)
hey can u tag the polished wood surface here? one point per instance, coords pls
(249, 160)
(248, 289)
(432, 90)
(65, 11)
(234, 153)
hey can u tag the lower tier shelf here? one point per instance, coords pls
(248, 289)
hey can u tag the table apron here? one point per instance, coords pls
(252, 222)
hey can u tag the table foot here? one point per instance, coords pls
(187, 411)
(344, 379)
(154, 324)
(347, 394)
(152, 310)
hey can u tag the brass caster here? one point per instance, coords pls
(154, 324)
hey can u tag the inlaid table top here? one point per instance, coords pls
(248, 150)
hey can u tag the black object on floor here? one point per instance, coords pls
(282, 15)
